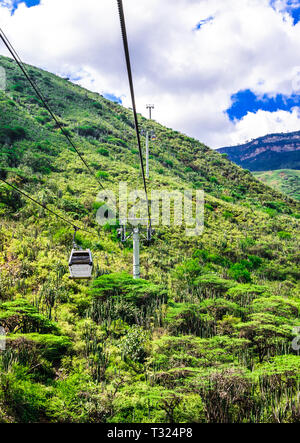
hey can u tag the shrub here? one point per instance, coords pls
(125, 286)
(17, 87)
(268, 333)
(184, 318)
(255, 261)
(169, 163)
(21, 316)
(26, 400)
(209, 207)
(97, 105)
(133, 345)
(51, 347)
(245, 293)
(212, 285)
(103, 152)
(88, 131)
(240, 273)
(228, 215)
(188, 270)
(117, 141)
(11, 134)
(284, 235)
(102, 174)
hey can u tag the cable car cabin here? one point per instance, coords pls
(81, 264)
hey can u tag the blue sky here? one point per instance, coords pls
(292, 7)
(246, 101)
(295, 13)
(203, 22)
(112, 98)
(220, 71)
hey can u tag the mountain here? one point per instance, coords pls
(205, 336)
(284, 180)
(271, 152)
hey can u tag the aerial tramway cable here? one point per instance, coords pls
(42, 98)
(78, 260)
(15, 188)
(129, 71)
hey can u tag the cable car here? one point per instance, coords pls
(80, 262)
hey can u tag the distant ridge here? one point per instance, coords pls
(271, 152)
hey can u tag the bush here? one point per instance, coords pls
(246, 293)
(88, 131)
(283, 235)
(133, 345)
(125, 286)
(75, 400)
(209, 207)
(51, 347)
(17, 87)
(255, 261)
(184, 318)
(10, 134)
(21, 316)
(103, 152)
(240, 273)
(169, 163)
(212, 285)
(188, 270)
(117, 142)
(9, 198)
(97, 105)
(228, 215)
(25, 400)
(102, 174)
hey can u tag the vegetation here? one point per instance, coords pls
(205, 336)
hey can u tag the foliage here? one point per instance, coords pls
(205, 336)
(20, 316)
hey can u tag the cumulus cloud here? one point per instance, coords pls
(264, 122)
(7, 3)
(189, 73)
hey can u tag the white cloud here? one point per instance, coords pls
(189, 75)
(264, 122)
(7, 3)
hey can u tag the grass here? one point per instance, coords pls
(286, 181)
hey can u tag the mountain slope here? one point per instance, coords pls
(205, 337)
(284, 180)
(273, 151)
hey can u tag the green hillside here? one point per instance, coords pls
(206, 335)
(283, 180)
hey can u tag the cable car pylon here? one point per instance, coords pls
(137, 234)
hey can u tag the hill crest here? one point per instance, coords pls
(273, 151)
